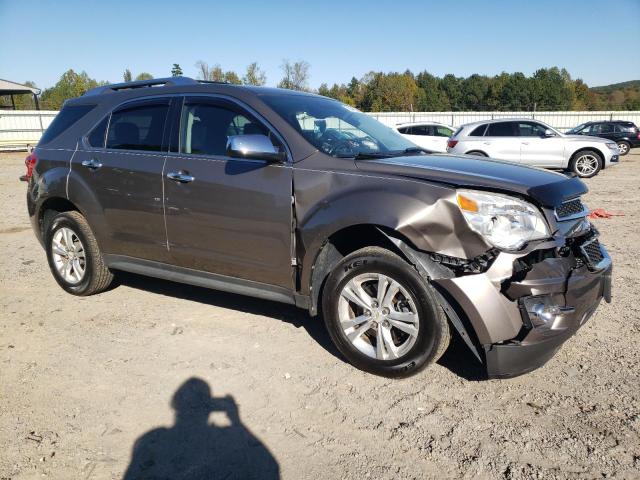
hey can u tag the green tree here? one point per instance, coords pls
(254, 75)
(144, 76)
(70, 85)
(391, 92)
(126, 76)
(176, 71)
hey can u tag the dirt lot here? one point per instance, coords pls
(83, 379)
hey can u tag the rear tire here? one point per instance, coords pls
(623, 148)
(74, 257)
(586, 163)
(395, 327)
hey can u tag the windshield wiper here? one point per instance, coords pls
(416, 150)
(367, 156)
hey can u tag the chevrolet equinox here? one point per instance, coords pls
(296, 198)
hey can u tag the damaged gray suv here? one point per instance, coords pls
(300, 199)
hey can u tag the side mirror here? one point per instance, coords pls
(254, 147)
(548, 133)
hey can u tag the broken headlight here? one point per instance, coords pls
(506, 222)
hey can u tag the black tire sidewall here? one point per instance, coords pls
(628, 147)
(430, 331)
(575, 158)
(58, 222)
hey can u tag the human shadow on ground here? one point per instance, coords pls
(194, 449)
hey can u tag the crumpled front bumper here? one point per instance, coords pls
(521, 318)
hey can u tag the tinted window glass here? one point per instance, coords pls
(600, 128)
(501, 129)
(530, 129)
(442, 132)
(405, 130)
(206, 128)
(67, 117)
(138, 128)
(626, 128)
(423, 130)
(478, 131)
(97, 135)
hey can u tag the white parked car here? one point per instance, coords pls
(535, 143)
(430, 135)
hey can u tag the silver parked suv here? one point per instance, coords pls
(534, 143)
(297, 198)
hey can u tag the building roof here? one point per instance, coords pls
(13, 88)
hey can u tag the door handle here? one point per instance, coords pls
(180, 177)
(525, 143)
(93, 164)
(487, 143)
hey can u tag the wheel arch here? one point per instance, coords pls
(475, 151)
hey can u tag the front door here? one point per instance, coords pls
(538, 149)
(226, 215)
(122, 168)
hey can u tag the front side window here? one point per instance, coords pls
(206, 127)
(501, 129)
(600, 128)
(530, 129)
(442, 131)
(138, 127)
(335, 128)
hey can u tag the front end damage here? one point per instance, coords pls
(521, 307)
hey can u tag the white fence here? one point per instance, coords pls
(21, 128)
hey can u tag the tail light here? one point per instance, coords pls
(30, 163)
(638, 135)
(452, 143)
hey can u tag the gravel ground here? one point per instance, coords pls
(83, 380)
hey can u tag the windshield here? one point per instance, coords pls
(335, 128)
(577, 129)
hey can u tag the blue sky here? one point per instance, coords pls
(598, 41)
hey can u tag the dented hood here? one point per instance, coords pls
(546, 187)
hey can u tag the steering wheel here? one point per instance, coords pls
(341, 148)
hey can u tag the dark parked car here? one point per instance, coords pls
(298, 198)
(624, 133)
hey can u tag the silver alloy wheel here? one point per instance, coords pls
(378, 316)
(587, 164)
(623, 148)
(69, 256)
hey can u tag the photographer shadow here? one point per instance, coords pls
(195, 449)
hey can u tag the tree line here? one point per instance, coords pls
(547, 89)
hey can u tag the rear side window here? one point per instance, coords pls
(405, 130)
(97, 136)
(600, 128)
(138, 127)
(501, 129)
(478, 131)
(626, 128)
(65, 119)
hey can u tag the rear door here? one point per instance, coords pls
(501, 141)
(120, 164)
(234, 217)
(603, 130)
(537, 149)
(421, 135)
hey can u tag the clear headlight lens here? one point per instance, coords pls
(612, 146)
(506, 222)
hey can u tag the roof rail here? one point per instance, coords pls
(154, 82)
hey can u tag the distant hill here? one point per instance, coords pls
(617, 86)
(623, 96)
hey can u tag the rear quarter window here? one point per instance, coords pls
(478, 131)
(67, 117)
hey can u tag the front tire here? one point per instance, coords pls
(382, 315)
(586, 163)
(623, 148)
(74, 257)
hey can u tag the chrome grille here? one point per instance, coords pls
(592, 253)
(571, 209)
